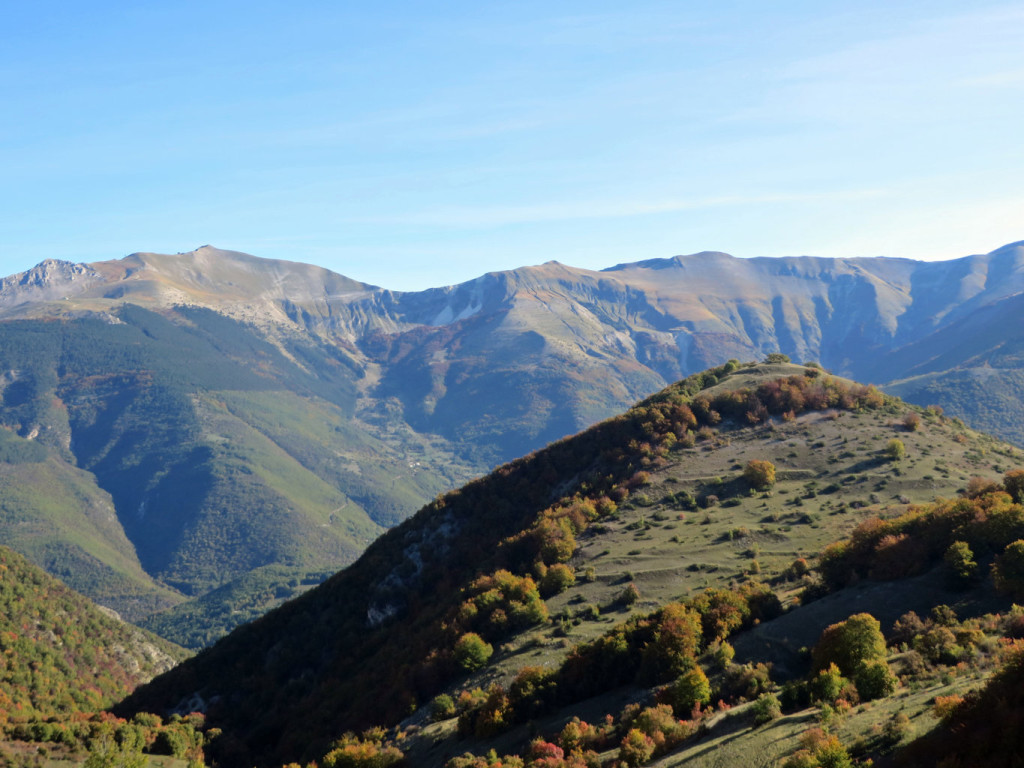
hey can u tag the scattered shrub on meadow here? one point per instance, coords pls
(759, 474)
(895, 449)
(766, 708)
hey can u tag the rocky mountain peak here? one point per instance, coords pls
(49, 280)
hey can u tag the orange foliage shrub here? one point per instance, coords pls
(946, 706)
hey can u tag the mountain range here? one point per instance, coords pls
(205, 417)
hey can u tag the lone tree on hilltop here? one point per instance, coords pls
(760, 474)
(777, 357)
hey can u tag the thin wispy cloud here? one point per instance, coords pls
(903, 75)
(1008, 79)
(588, 131)
(495, 216)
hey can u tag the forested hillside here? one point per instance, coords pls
(59, 654)
(588, 576)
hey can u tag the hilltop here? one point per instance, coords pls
(596, 536)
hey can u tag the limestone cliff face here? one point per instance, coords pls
(51, 280)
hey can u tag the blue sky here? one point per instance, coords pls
(413, 144)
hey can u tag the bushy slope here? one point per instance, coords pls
(541, 554)
(59, 654)
(984, 730)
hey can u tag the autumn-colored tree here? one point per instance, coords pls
(502, 601)
(636, 749)
(820, 750)
(493, 716)
(897, 556)
(692, 688)
(722, 611)
(540, 750)
(723, 654)
(580, 737)
(849, 643)
(555, 539)
(827, 684)
(105, 752)
(833, 754)
(746, 681)
(366, 751)
(895, 449)
(630, 594)
(472, 652)
(660, 724)
(978, 486)
(675, 643)
(906, 628)
(442, 707)
(945, 707)
(760, 474)
(533, 692)
(938, 645)
(960, 560)
(557, 578)
(766, 708)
